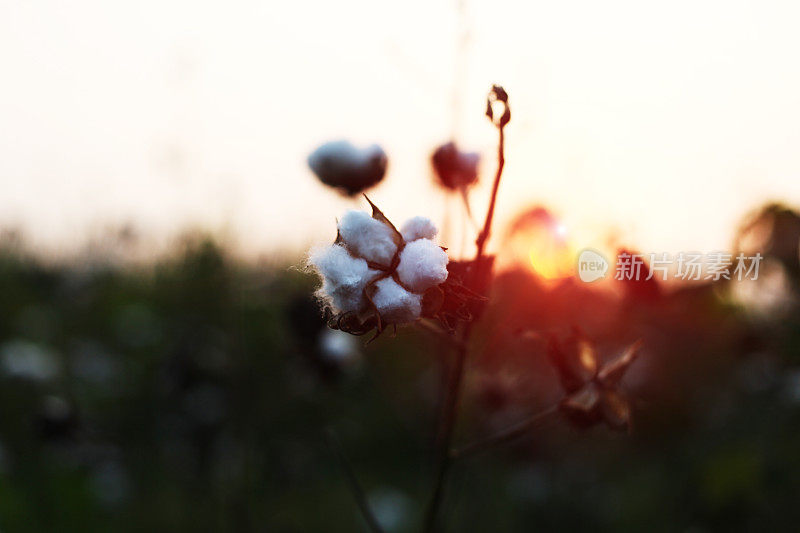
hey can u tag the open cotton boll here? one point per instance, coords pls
(344, 277)
(344, 153)
(368, 238)
(395, 304)
(344, 166)
(423, 265)
(418, 228)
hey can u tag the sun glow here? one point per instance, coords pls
(541, 243)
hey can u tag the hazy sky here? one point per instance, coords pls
(662, 123)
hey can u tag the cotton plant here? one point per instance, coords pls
(375, 276)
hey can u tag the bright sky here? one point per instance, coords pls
(661, 123)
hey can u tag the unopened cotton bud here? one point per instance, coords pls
(344, 277)
(423, 264)
(454, 168)
(394, 303)
(367, 237)
(418, 228)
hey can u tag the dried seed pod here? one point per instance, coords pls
(593, 393)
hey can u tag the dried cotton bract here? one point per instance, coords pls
(373, 275)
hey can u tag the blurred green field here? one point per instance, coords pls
(192, 394)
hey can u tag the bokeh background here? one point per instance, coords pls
(163, 365)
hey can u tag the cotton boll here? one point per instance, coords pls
(367, 237)
(344, 277)
(423, 264)
(348, 168)
(395, 304)
(338, 347)
(418, 228)
(454, 168)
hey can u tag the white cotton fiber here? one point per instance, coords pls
(418, 228)
(368, 238)
(395, 304)
(423, 264)
(343, 153)
(344, 277)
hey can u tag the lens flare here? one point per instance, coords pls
(540, 242)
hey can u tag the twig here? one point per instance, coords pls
(483, 236)
(355, 487)
(506, 435)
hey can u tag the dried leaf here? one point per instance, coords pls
(378, 215)
(584, 400)
(500, 93)
(432, 301)
(582, 408)
(615, 409)
(575, 361)
(612, 373)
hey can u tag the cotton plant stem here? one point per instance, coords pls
(439, 332)
(352, 480)
(483, 236)
(503, 436)
(452, 401)
(448, 420)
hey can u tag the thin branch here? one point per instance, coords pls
(483, 236)
(355, 487)
(506, 435)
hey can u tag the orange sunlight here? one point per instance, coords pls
(540, 242)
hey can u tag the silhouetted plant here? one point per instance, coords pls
(375, 275)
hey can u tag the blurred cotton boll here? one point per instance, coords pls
(338, 347)
(392, 508)
(27, 360)
(455, 169)
(56, 419)
(343, 166)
